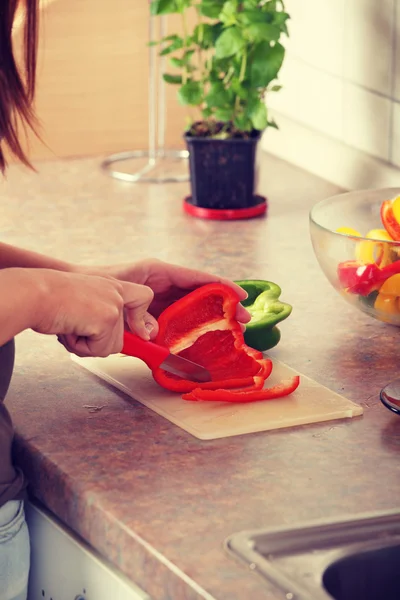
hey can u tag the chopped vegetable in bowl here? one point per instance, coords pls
(360, 255)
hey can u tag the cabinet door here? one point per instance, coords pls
(63, 568)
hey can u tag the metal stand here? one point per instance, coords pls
(156, 149)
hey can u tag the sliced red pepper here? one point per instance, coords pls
(202, 327)
(357, 278)
(389, 221)
(266, 369)
(278, 391)
(253, 383)
(244, 383)
(256, 384)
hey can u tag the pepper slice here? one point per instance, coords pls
(388, 218)
(357, 278)
(387, 300)
(369, 252)
(386, 303)
(277, 391)
(266, 311)
(202, 327)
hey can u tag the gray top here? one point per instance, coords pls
(11, 479)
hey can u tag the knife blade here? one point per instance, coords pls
(185, 368)
(156, 356)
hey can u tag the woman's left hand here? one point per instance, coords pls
(169, 283)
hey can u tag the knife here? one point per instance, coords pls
(156, 356)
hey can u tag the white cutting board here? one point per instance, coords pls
(310, 403)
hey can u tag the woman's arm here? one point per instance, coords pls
(20, 300)
(89, 311)
(11, 256)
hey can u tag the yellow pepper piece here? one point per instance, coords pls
(371, 252)
(388, 299)
(348, 231)
(396, 208)
(384, 249)
(366, 252)
(391, 287)
(379, 234)
(386, 303)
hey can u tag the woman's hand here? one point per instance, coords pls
(88, 313)
(87, 307)
(168, 283)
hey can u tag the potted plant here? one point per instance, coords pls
(223, 65)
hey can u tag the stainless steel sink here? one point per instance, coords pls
(350, 559)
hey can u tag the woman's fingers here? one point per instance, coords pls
(137, 299)
(242, 315)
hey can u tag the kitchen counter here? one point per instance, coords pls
(155, 501)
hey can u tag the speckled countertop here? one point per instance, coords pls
(154, 500)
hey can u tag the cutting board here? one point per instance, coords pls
(310, 403)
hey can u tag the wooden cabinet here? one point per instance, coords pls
(64, 568)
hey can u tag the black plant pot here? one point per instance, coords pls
(222, 173)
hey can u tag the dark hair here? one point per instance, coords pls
(17, 84)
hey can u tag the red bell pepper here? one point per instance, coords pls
(357, 278)
(389, 221)
(202, 327)
(221, 395)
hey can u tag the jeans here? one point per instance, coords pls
(14, 552)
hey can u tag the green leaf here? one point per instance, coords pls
(176, 62)
(206, 113)
(170, 38)
(163, 7)
(259, 32)
(272, 123)
(250, 4)
(190, 93)
(230, 42)
(218, 96)
(211, 8)
(258, 115)
(213, 75)
(266, 63)
(281, 17)
(183, 61)
(223, 114)
(176, 44)
(202, 35)
(247, 17)
(239, 88)
(242, 122)
(205, 35)
(229, 13)
(275, 88)
(216, 31)
(172, 78)
(271, 5)
(182, 5)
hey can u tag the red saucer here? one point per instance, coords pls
(227, 214)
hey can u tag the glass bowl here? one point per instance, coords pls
(365, 269)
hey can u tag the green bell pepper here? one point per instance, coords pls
(266, 311)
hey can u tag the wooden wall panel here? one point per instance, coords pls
(92, 91)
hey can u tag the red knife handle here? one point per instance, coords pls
(152, 354)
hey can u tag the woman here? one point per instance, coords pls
(85, 307)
